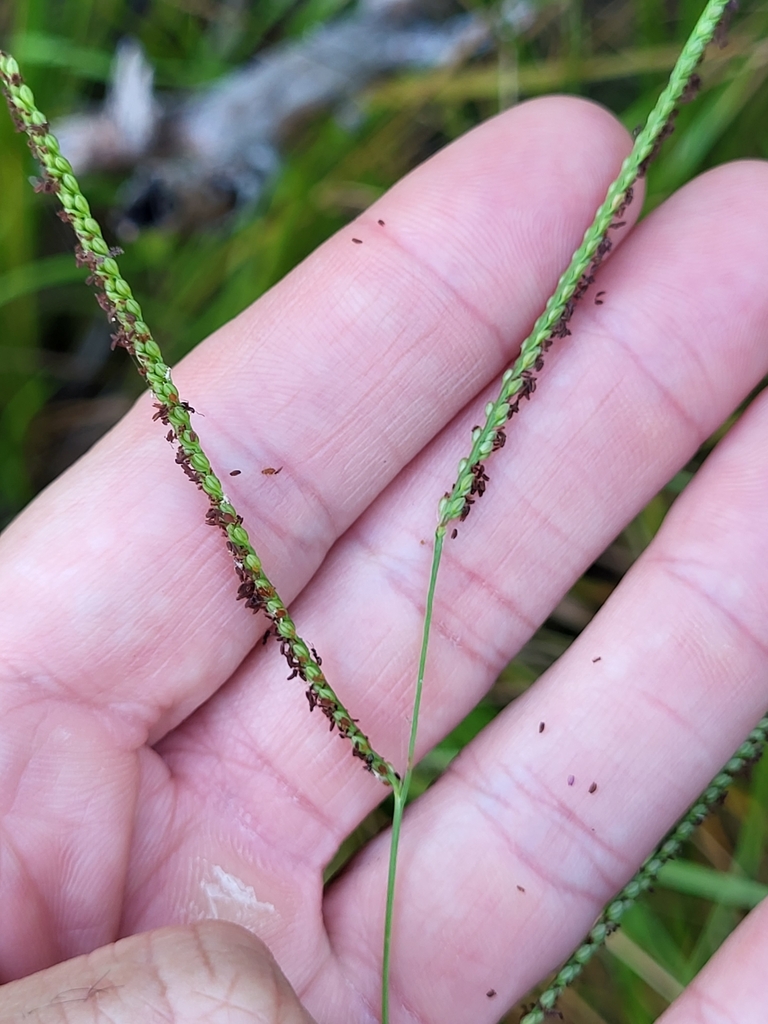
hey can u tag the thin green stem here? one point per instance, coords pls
(437, 553)
(131, 332)
(401, 788)
(394, 846)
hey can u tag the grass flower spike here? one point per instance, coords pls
(131, 332)
(519, 381)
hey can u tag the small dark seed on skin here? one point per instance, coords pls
(381, 223)
(571, 780)
(520, 888)
(491, 993)
(235, 472)
(593, 787)
(269, 471)
(357, 241)
(541, 726)
(454, 534)
(595, 660)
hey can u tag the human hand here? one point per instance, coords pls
(158, 768)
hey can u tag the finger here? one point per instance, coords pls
(512, 854)
(338, 377)
(212, 972)
(731, 987)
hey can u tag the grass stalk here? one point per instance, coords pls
(519, 381)
(131, 332)
(401, 788)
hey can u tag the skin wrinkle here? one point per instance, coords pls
(699, 431)
(461, 642)
(397, 581)
(585, 428)
(396, 998)
(316, 731)
(671, 566)
(113, 721)
(302, 991)
(166, 1005)
(262, 765)
(311, 546)
(457, 295)
(569, 543)
(668, 294)
(58, 691)
(35, 744)
(13, 795)
(403, 584)
(314, 500)
(159, 863)
(350, 426)
(564, 817)
(34, 903)
(692, 352)
(490, 658)
(730, 282)
(390, 571)
(204, 957)
(507, 603)
(684, 728)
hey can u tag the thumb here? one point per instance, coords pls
(213, 971)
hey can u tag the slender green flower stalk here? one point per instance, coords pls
(519, 381)
(748, 753)
(131, 332)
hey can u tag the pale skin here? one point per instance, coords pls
(158, 769)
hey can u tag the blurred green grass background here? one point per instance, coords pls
(58, 393)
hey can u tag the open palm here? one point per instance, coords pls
(158, 769)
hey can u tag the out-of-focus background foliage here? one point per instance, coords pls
(61, 387)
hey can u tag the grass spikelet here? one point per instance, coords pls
(131, 332)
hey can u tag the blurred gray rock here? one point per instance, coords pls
(193, 159)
